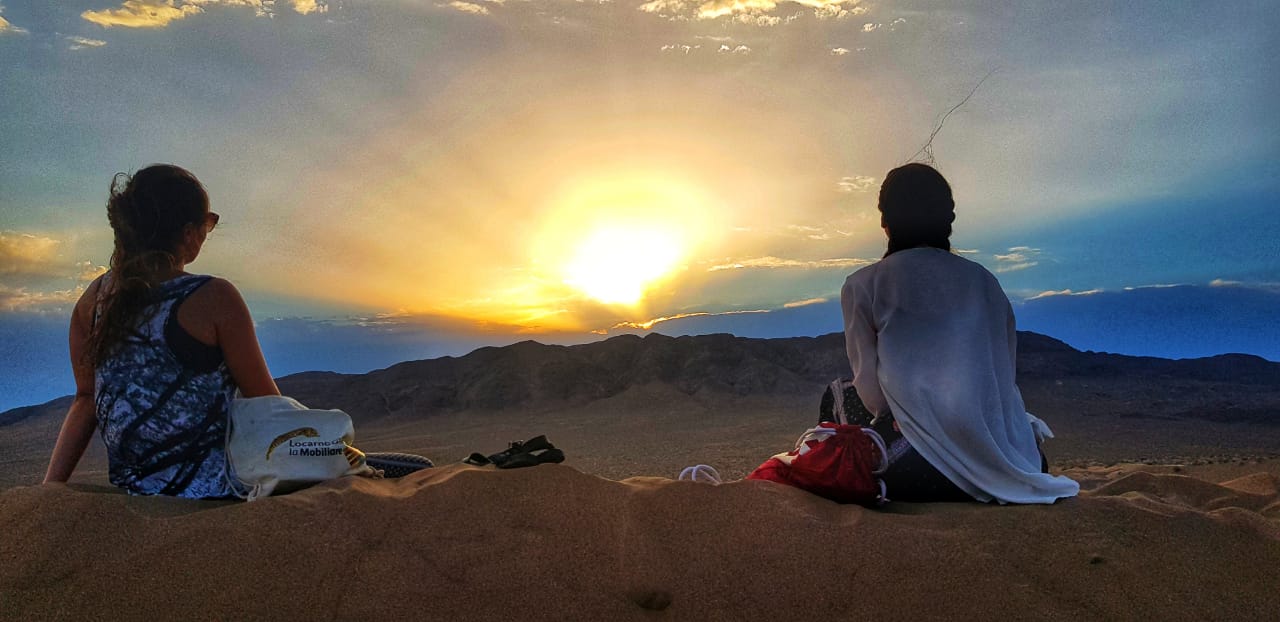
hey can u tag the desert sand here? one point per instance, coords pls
(1179, 518)
(554, 543)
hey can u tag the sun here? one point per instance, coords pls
(617, 264)
(620, 238)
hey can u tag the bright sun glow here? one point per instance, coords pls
(617, 238)
(615, 265)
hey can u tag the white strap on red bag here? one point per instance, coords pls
(822, 433)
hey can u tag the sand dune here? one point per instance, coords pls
(1193, 534)
(553, 543)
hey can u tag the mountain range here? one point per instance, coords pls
(534, 377)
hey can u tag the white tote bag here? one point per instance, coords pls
(274, 442)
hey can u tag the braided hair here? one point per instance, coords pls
(149, 212)
(917, 208)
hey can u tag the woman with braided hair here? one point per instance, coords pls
(930, 337)
(159, 353)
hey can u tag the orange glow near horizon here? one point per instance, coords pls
(595, 222)
(596, 246)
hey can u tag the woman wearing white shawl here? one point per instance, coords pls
(930, 336)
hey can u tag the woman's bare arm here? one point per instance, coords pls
(82, 418)
(239, 341)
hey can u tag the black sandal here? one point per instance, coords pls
(515, 448)
(550, 455)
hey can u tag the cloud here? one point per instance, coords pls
(816, 233)
(683, 49)
(27, 254)
(141, 14)
(1129, 288)
(81, 43)
(855, 183)
(771, 262)
(649, 324)
(19, 299)
(466, 7)
(720, 8)
(750, 12)
(804, 303)
(1018, 258)
(835, 11)
(1016, 267)
(663, 6)
(89, 271)
(1064, 292)
(43, 278)
(1018, 253)
(741, 49)
(676, 10)
(758, 20)
(893, 25)
(1264, 285)
(8, 28)
(160, 13)
(307, 7)
(1216, 283)
(839, 51)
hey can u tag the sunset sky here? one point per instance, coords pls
(432, 175)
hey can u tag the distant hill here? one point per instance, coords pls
(632, 370)
(16, 415)
(534, 376)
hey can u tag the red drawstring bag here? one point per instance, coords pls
(839, 462)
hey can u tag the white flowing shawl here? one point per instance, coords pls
(931, 338)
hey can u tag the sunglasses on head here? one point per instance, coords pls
(210, 221)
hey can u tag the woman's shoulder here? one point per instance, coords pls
(209, 288)
(210, 296)
(94, 289)
(978, 270)
(215, 283)
(83, 309)
(863, 276)
(209, 305)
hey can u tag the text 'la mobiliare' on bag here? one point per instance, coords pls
(276, 444)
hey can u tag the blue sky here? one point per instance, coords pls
(404, 178)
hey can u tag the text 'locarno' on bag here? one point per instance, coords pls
(274, 442)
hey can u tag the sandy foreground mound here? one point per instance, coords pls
(552, 543)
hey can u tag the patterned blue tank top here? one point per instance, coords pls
(162, 401)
